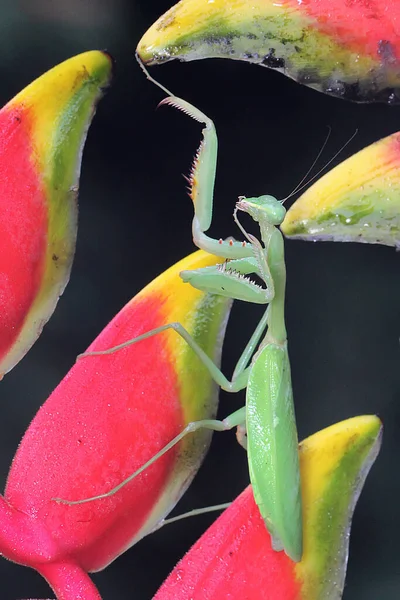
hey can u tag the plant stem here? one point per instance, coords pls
(69, 581)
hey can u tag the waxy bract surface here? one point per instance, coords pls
(358, 201)
(107, 417)
(42, 132)
(234, 558)
(347, 49)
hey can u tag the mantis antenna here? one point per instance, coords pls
(300, 186)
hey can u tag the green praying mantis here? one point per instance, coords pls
(266, 426)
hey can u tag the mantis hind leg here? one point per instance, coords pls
(194, 513)
(235, 419)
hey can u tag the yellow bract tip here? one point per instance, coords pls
(189, 17)
(334, 464)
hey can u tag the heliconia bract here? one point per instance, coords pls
(108, 416)
(357, 201)
(234, 558)
(42, 133)
(347, 49)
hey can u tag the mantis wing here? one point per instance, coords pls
(272, 448)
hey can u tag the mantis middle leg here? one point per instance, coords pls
(241, 371)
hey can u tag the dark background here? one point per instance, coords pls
(342, 300)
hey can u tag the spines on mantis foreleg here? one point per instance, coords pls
(202, 175)
(201, 180)
(272, 448)
(231, 280)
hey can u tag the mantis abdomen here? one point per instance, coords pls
(272, 447)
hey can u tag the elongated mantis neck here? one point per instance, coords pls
(274, 244)
(274, 269)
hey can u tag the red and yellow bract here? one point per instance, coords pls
(357, 201)
(42, 132)
(234, 558)
(348, 49)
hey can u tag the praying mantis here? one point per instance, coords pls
(266, 426)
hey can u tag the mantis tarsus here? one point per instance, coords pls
(268, 417)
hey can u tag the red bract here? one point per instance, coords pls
(108, 416)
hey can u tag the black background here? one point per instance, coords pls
(342, 299)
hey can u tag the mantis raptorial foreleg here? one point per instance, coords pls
(201, 181)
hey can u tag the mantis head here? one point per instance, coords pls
(264, 208)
